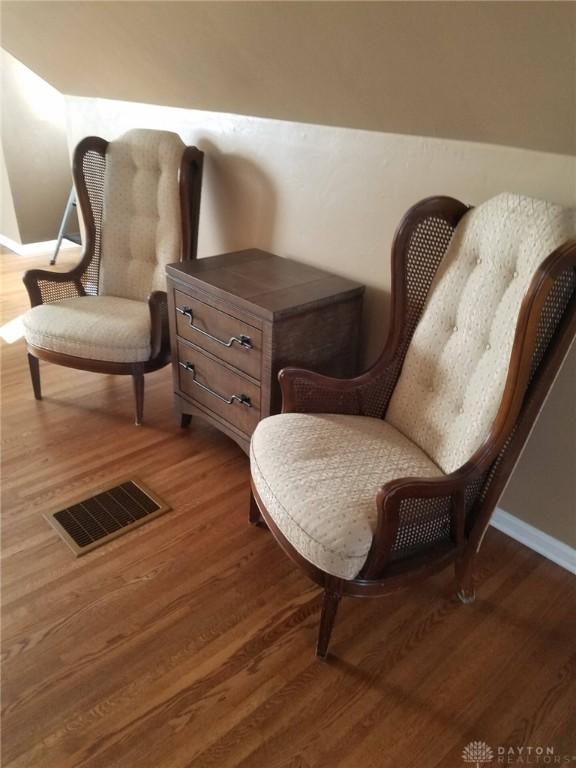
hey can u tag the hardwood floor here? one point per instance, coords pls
(190, 641)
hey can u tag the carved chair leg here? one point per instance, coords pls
(138, 382)
(329, 609)
(254, 514)
(464, 576)
(34, 365)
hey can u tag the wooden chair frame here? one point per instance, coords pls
(545, 329)
(45, 286)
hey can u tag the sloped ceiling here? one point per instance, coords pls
(495, 72)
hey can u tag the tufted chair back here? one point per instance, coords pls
(454, 373)
(141, 217)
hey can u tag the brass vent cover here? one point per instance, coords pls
(95, 520)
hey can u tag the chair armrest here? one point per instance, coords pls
(305, 391)
(435, 496)
(309, 392)
(159, 334)
(45, 286)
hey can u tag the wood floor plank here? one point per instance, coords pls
(189, 642)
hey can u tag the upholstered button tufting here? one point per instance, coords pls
(461, 410)
(455, 329)
(143, 213)
(511, 236)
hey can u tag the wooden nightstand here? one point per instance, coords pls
(237, 319)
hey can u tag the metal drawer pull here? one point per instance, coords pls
(242, 399)
(244, 341)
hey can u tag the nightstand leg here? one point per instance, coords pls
(185, 419)
(254, 515)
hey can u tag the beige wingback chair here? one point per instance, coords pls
(139, 198)
(375, 482)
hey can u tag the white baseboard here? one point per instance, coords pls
(31, 249)
(551, 548)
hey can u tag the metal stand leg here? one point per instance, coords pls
(67, 211)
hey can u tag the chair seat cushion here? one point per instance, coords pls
(318, 476)
(104, 328)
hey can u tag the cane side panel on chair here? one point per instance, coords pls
(484, 311)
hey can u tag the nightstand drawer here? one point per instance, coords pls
(224, 336)
(214, 386)
(293, 315)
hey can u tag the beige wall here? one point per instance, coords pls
(332, 197)
(35, 152)
(543, 489)
(8, 222)
(496, 72)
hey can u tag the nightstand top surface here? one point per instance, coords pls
(269, 286)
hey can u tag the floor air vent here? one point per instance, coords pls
(110, 513)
